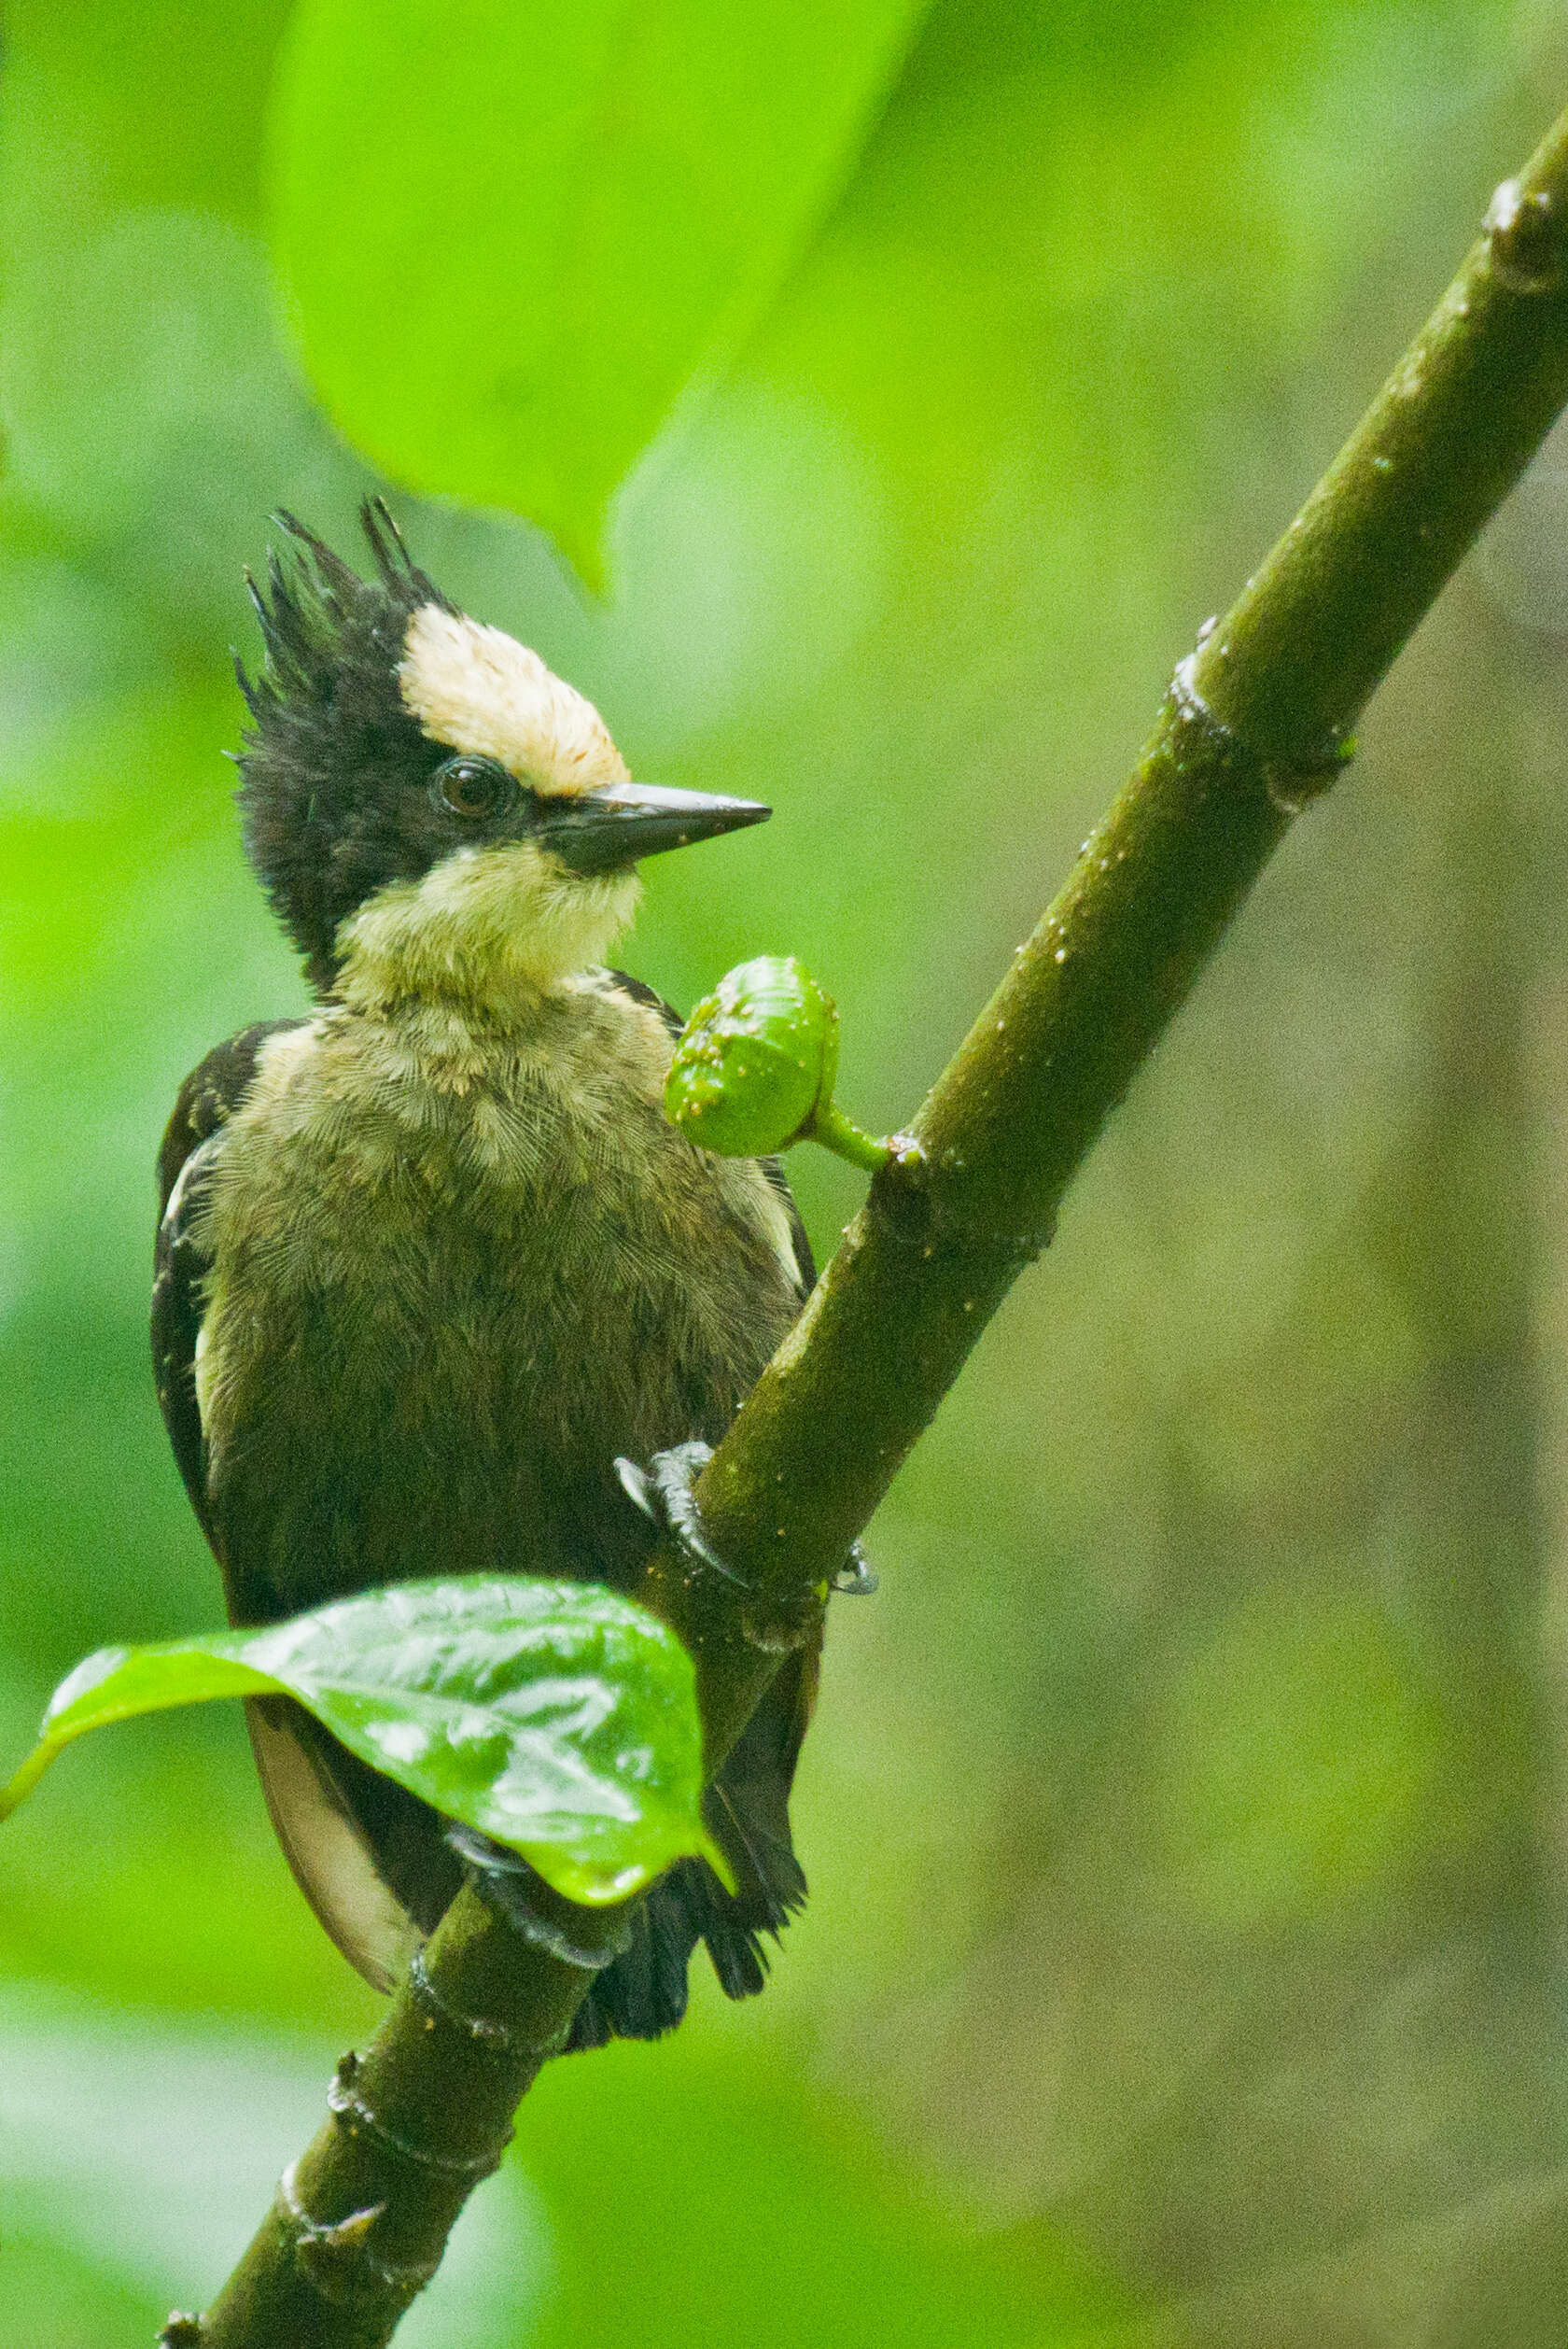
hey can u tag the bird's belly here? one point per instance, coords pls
(422, 1354)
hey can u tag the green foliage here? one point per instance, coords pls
(1135, 1901)
(554, 1716)
(755, 1067)
(828, 2257)
(558, 216)
(1299, 1755)
(756, 1060)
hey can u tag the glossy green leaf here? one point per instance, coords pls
(511, 234)
(557, 1717)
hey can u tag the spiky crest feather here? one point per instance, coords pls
(330, 733)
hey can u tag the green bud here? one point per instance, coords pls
(755, 1059)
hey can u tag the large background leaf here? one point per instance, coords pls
(557, 1717)
(513, 234)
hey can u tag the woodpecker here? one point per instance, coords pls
(431, 1259)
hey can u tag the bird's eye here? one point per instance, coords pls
(474, 787)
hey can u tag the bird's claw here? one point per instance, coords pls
(663, 1492)
(857, 1577)
(502, 1877)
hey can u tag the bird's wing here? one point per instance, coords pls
(208, 1100)
(314, 1791)
(623, 983)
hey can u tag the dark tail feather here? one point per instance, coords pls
(643, 1994)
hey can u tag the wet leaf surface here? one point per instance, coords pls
(509, 247)
(557, 1717)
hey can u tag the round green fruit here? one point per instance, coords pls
(756, 1059)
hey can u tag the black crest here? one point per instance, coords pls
(335, 765)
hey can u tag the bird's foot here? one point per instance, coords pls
(857, 1577)
(663, 1492)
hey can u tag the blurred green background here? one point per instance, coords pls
(1187, 1818)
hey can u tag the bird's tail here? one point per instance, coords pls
(746, 1810)
(642, 1994)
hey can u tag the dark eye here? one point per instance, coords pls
(474, 787)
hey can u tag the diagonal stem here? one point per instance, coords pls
(1256, 726)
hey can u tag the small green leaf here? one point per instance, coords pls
(755, 1060)
(512, 232)
(557, 1717)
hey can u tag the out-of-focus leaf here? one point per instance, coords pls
(512, 235)
(136, 2150)
(557, 1717)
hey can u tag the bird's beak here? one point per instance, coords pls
(596, 831)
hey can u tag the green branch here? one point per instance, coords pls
(1256, 726)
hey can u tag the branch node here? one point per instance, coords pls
(354, 2116)
(336, 2257)
(779, 1625)
(1524, 238)
(1290, 784)
(488, 2031)
(913, 1209)
(182, 2332)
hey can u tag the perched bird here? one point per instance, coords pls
(429, 1259)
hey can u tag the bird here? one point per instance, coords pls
(430, 1257)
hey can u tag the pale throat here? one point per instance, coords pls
(485, 934)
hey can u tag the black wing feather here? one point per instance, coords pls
(208, 1100)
